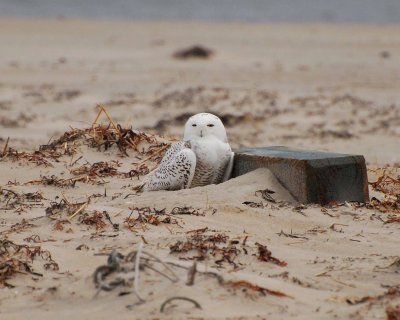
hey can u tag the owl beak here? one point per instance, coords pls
(201, 133)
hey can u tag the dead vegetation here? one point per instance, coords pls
(141, 217)
(193, 52)
(125, 271)
(15, 258)
(217, 99)
(62, 207)
(220, 248)
(196, 245)
(388, 184)
(98, 136)
(19, 202)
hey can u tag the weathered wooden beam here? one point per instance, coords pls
(310, 176)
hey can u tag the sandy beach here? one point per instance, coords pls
(68, 196)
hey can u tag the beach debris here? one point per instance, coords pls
(108, 277)
(146, 215)
(216, 99)
(266, 255)
(266, 195)
(3, 154)
(393, 312)
(242, 284)
(20, 201)
(36, 157)
(169, 300)
(63, 206)
(188, 211)
(18, 227)
(391, 293)
(55, 181)
(388, 184)
(323, 175)
(216, 245)
(220, 247)
(124, 272)
(101, 137)
(59, 209)
(253, 204)
(384, 54)
(291, 235)
(96, 219)
(15, 258)
(388, 181)
(195, 51)
(191, 274)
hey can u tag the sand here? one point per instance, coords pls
(321, 87)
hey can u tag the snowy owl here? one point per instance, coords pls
(203, 157)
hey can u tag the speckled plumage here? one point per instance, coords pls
(204, 157)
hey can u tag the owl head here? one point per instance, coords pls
(204, 126)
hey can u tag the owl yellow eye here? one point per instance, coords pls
(210, 125)
(194, 125)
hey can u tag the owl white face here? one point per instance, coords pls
(204, 125)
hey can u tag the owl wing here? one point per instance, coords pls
(176, 170)
(228, 168)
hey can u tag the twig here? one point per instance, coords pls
(5, 148)
(163, 263)
(191, 274)
(77, 211)
(137, 270)
(110, 119)
(73, 163)
(291, 235)
(159, 272)
(154, 154)
(65, 199)
(196, 304)
(98, 116)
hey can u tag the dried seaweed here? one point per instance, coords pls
(98, 169)
(118, 263)
(20, 201)
(104, 169)
(196, 52)
(53, 180)
(242, 284)
(93, 219)
(393, 312)
(266, 195)
(187, 211)
(266, 255)
(15, 258)
(146, 215)
(391, 293)
(64, 207)
(252, 204)
(18, 227)
(388, 183)
(220, 247)
(215, 245)
(122, 271)
(37, 157)
(97, 219)
(216, 98)
(100, 137)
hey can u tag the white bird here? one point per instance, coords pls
(203, 157)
